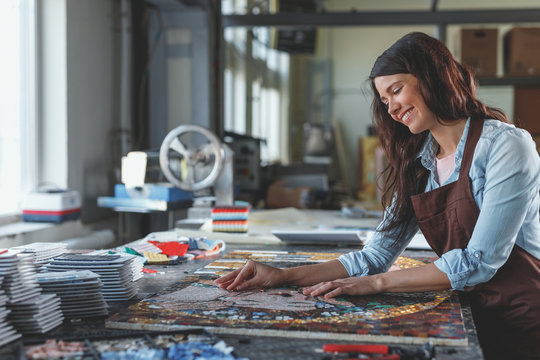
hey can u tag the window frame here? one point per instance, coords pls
(28, 103)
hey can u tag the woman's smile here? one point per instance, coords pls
(401, 94)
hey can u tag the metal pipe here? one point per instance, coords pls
(125, 76)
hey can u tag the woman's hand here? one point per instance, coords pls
(423, 278)
(252, 275)
(363, 285)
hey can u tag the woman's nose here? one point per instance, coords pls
(393, 107)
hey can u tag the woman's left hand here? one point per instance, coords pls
(363, 285)
(422, 278)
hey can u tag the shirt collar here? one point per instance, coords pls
(429, 150)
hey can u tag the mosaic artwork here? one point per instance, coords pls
(196, 301)
(166, 346)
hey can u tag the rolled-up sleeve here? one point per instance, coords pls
(379, 253)
(510, 187)
(459, 264)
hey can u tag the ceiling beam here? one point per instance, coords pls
(383, 18)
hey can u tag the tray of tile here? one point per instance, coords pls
(184, 344)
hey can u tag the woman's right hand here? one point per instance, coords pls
(251, 276)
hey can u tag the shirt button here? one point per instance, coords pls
(476, 255)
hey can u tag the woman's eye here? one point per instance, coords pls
(396, 90)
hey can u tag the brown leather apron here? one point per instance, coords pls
(506, 309)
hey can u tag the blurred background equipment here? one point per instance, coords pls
(52, 205)
(193, 158)
(247, 165)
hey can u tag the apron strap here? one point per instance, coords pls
(475, 130)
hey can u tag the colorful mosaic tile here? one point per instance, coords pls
(195, 301)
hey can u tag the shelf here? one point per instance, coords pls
(392, 18)
(510, 80)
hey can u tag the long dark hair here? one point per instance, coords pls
(448, 89)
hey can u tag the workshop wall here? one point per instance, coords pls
(80, 77)
(80, 97)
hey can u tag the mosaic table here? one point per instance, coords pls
(264, 345)
(406, 319)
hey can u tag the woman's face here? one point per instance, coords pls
(401, 94)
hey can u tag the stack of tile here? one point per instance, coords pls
(37, 315)
(80, 292)
(31, 312)
(19, 282)
(115, 272)
(43, 252)
(231, 219)
(137, 262)
(7, 332)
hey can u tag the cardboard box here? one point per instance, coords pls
(522, 52)
(477, 50)
(280, 195)
(526, 100)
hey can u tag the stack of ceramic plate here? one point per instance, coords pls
(19, 281)
(37, 315)
(79, 292)
(43, 252)
(115, 272)
(7, 332)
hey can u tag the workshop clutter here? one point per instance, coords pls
(53, 205)
(299, 185)
(170, 247)
(167, 345)
(230, 219)
(68, 285)
(74, 285)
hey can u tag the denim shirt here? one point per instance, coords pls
(505, 182)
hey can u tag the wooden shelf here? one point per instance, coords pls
(510, 80)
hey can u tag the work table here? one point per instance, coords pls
(252, 347)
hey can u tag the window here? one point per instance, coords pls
(256, 81)
(17, 102)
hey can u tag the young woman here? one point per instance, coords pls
(461, 174)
